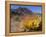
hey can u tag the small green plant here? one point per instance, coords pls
(17, 18)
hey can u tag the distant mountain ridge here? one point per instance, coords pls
(22, 11)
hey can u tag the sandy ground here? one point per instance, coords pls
(18, 26)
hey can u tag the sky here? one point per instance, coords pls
(33, 8)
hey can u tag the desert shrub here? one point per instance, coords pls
(32, 24)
